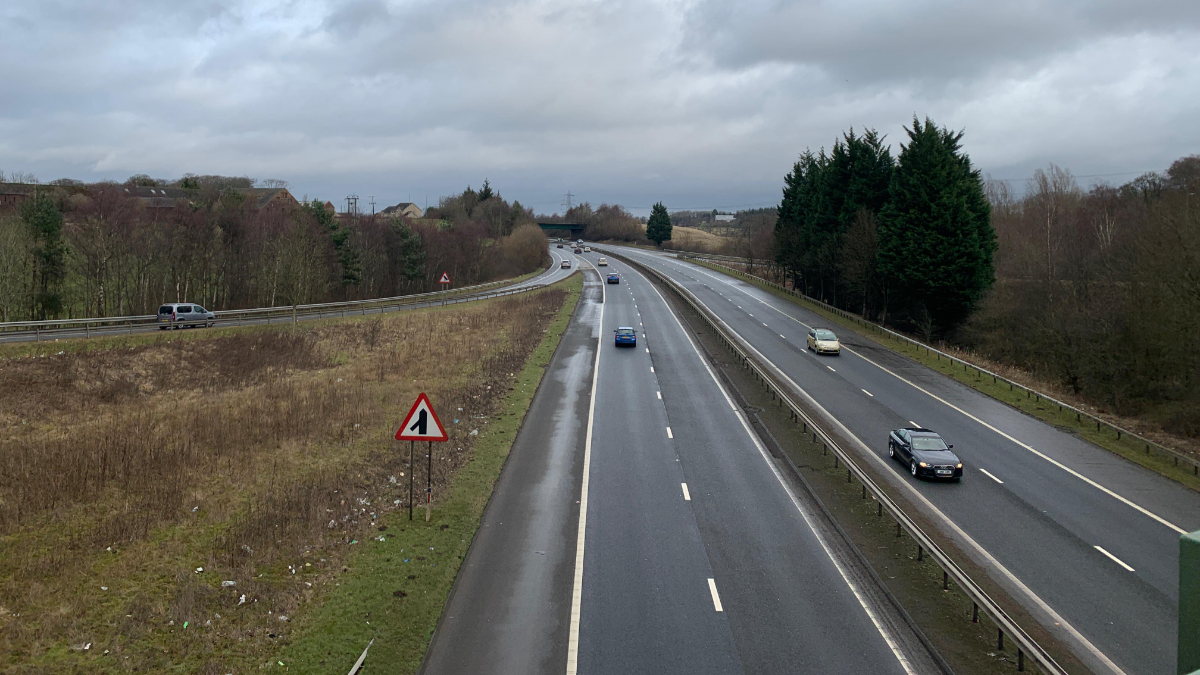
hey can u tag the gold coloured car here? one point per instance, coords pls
(823, 341)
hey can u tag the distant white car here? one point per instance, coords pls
(587, 249)
(603, 262)
(566, 264)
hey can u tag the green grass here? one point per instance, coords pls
(394, 591)
(1065, 420)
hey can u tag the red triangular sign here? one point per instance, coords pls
(445, 278)
(422, 423)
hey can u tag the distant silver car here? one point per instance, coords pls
(184, 315)
(566, 264)
(823, 341)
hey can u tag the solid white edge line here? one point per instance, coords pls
(712, 588)
(1137, 507)
(1115, 559)
(917, 496)
(577, 587)
(989, 475)
(669, 434)
(1144, 511)
(687, 496)
(808, 518)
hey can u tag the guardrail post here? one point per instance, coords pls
(945, 580)
(87, 329)
(1020, 661)
(974, 612)
(920, 553)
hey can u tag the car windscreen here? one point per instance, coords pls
(928, 443)
(826, 335)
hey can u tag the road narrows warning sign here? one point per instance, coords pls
(422, 423)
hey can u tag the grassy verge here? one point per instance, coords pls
(185, 501)
(1065, 420)
(944, 615)
(397, 585)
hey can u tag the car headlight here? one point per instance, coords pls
(959, 465)
(923, 465)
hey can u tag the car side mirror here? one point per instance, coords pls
(950, 446)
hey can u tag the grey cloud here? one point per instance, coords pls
(700, 100)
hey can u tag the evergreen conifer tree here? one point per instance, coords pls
(935, 236)
(45, 219)
(658, 229)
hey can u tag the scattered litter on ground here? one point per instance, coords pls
(227, 584)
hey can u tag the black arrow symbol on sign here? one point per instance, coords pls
(420, 424)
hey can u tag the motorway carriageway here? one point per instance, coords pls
(552, 274)
(691, 553)
(1078, 535)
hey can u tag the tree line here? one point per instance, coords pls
(74, 250)
(1099, 290)
(905, 239)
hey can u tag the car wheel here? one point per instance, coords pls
(912, 466)
(891, 451)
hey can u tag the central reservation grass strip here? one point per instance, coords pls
(1063, 419)
(394, 591)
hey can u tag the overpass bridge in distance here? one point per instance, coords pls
(576, 229)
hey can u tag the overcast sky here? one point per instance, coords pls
(702, 104)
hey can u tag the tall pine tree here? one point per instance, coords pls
(935, 236)
(658, 229)
(45, 219)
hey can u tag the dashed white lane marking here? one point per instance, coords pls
(652, 369)
(783, 336)
(989, 475)
(914, 424)
(712, 588)
(808, 518)
(766, 325)
(647, 348)
(1111, 493)
(669, 434)
(1115, 559)
(659, 395)
(687, 496)
(831, 368)
(868, 393)
(950, 524)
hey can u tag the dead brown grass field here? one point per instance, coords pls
(692, 239)
(136, 478)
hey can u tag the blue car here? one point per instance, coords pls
(626, 337)
(614, 279)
